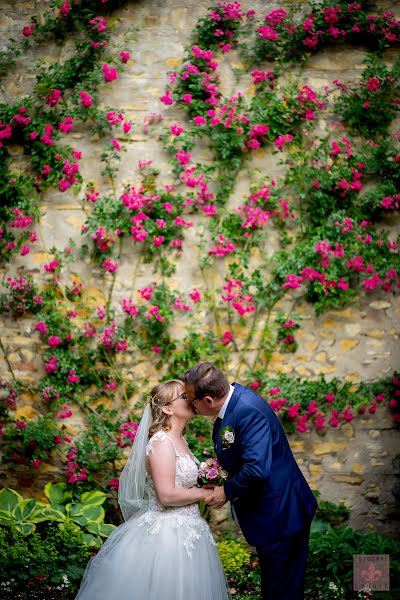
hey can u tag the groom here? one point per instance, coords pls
(268, 493)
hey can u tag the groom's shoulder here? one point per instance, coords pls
(249, 398)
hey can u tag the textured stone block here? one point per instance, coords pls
(376, 333)
(315, 470)
(302, 371)
(348, 344)
(26, 412)
(358, 468)
(296, 446)
(312, 344)
(329, 324)
(326, 370)
(350, 479)
(328, 447)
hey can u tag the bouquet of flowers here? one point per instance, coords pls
(210, 471)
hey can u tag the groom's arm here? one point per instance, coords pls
(254, 436)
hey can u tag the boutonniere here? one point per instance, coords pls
(227, 436)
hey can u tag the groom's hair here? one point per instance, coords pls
(207, 380)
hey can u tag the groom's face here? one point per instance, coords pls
(202, 406)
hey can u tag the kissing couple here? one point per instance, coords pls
(165, 549)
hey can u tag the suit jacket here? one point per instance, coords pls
(269, 494)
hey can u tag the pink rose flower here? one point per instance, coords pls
(199, 120)
(109, 73)
(86, 99)
(54, 341)
(125, 56)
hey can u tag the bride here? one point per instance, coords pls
(164, 549)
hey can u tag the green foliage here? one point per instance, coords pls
(321, 398)
(97, 446)
(328, 514)
(334, 514)
(22, 297)
(332, 174)
(211, 31)
(198, 435)
(35, 122)
(285, 332)
(87, 514)
(370, 106)
(55, 554)
(236, 127)
(190, 351)
(330, 561)
(337, 261)
(329, 572)
(284, 106)
(153, 329)
(234, 556)
(32, 440)
(19, 513)
(324, 23)
(56, 26)
(241, 567)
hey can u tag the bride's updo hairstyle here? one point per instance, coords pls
(161, 395)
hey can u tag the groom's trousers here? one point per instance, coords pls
(282, 566)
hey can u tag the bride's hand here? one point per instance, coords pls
(207, 493)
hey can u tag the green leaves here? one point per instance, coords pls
(93, 498)
(369, 106)
(20, 513)
(100, 529)
(9, 500)
(57, 493)
(54, 554)
(331, 554)
(87, 514)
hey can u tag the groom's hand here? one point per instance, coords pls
(218, 498)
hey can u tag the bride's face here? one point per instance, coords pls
(180, 406)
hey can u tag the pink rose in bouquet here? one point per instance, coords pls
(210, 471)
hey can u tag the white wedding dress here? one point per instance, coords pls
(164, 553)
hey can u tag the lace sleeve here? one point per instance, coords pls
(160, 437)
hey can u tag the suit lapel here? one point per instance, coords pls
(223, 423)
(232, 402)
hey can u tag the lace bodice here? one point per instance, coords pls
(186, 471)
(182, 516)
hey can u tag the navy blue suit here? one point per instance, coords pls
(269, 494)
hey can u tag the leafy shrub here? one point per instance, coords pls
(49, 555)
(329, 572)
(233, 556)
(332, 513)
(198, 436)
(241, 568)
(23, 514)
(330, 561)
(370, 106)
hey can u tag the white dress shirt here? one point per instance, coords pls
(222, 411)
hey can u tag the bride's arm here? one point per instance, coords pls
(163, 465)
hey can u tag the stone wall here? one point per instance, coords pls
(354, 463)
